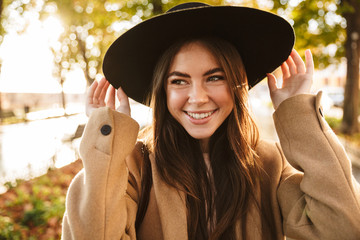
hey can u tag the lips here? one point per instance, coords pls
(199, 116)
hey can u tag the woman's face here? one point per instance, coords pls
(198, 94)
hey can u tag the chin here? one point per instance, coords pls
(200, 136)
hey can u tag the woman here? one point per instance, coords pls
(201, 172)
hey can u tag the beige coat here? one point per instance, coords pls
(320, 201)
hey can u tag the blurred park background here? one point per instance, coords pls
(52, 50)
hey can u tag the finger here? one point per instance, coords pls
(285, 70)
(123, 98)
(271, 82)
(99, 88)
(111, 97)
(291, 65)
(91, 91)
(104, 91)
(124, 102)
(309, 62)
(300, 65)
(89, 99)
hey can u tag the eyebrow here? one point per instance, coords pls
(214, 70)
(178, 74)
(209, 72)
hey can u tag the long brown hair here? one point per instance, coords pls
(232, 153)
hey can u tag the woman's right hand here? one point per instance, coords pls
(96, 97)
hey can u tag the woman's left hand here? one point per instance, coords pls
(297, 78)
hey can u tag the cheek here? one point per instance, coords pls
(175, 101)
(223, 97)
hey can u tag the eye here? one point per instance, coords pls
(215, 78)
(178, 82)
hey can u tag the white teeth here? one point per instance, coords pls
(200, 115)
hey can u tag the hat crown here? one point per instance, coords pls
(187, 5)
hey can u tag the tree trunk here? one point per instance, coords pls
(63, 97)
(350, 124)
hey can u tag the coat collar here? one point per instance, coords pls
(172, 206)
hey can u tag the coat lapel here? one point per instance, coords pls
(171, 205)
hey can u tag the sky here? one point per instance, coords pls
(27, 61)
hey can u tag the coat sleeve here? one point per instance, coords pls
(322, 200)
(101, 201)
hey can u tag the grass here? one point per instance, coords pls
(33, 209)
(12, 120)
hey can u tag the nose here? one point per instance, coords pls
(198, 94)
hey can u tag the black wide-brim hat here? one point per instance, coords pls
(264, 41)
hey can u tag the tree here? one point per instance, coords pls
(351, 12)
(86, 34)
(88, 31)
(331, 29)
(92, 25)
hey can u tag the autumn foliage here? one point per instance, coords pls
(34, 209)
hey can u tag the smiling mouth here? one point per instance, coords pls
(199, 116)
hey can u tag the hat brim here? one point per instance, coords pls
(264, 41)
